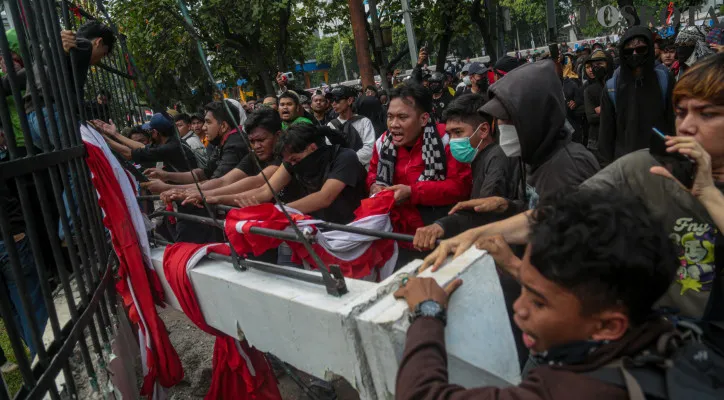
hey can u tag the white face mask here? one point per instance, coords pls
(509, 140)
(466, 80)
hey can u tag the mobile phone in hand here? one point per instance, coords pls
(680, 166)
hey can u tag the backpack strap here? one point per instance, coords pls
(611, 85)
(641, 383)
(337, 124)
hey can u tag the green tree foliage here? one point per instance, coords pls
(252, 39)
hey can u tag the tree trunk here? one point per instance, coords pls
(481, 22)
(442, 51)
(284, 16)
(361, 42)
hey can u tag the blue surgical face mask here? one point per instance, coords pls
(462, 150)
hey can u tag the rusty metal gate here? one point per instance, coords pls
(57, 300)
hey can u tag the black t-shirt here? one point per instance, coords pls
(343, 165)
(170, 153)
(227, 156)
(249, 167)
(438, 105)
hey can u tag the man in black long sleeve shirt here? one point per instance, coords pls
(471, 141)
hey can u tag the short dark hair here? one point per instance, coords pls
(289, 94)
(182, 117)
(217, 109)
(95, 29)
(421, 96)
(465, 108)
(606, 248)
(196, 116)
(372, 88)
(266, 118)
(298, 136)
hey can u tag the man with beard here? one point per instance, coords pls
(440, 96)
(320, 108)
(637, 98)
(290, 110)
(221, 130)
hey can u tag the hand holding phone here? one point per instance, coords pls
(675, 154)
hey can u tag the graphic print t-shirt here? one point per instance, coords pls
(687, 222)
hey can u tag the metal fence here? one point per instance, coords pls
(56, 262)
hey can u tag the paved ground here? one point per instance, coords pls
(196, 349)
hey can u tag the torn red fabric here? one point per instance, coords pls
(138, 285)
(359, 256)
(239, 371)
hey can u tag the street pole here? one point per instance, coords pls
(341, 53)
(361, 44)
(380, 53)
(411, 41)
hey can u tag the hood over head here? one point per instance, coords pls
(532, 95)
(645, 34)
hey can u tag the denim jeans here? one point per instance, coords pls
(35, 134)
(32, 283)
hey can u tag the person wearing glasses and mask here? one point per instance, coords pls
(635, 99)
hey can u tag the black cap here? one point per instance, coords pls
(341, 92)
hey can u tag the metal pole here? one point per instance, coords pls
(411, 40)
(380, 53)
(551, 20)
(341, 53)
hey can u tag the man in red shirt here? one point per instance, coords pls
(413, 159)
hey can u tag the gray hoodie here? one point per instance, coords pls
(532, 95)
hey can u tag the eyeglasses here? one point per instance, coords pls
(637, 50)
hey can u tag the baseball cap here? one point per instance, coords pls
(340, 92)
(159, 123)
(477, 68)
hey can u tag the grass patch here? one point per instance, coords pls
(14, 380)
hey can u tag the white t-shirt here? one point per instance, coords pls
(367, 133)
(193, 141)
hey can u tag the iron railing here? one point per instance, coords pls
(45, 177)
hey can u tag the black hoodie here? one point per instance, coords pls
(532, 95)
(639, 105)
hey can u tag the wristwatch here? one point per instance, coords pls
(429, 308)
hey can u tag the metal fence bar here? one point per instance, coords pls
(54, 190)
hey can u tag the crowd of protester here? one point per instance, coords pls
(550, 165)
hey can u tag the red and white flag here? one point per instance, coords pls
(239, 372)
(138, 283)
(359, 256)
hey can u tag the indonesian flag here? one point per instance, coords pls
(239, 372)
(138, 283)
(358, 256)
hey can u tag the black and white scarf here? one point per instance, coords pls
(433, 154)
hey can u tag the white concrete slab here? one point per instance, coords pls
(360, 335)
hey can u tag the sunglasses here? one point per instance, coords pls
(637, 50)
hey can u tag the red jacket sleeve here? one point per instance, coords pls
(372, 172)
(455, 188)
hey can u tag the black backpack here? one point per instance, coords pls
(680, 367)
(351, 136)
